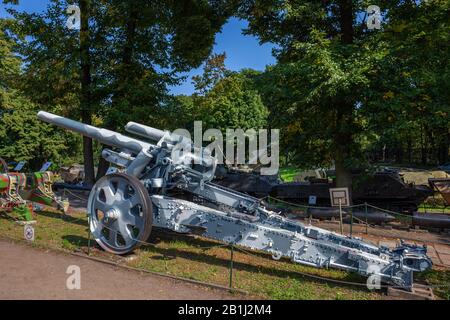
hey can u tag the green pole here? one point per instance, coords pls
(231, 266)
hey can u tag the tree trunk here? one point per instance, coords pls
(343, 137)
(410, 159)
(103, 165)
(127, 59)
(85, 101)
(399, 152)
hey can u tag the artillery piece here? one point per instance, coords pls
(10, 199)
(17, 189)
(168, 185)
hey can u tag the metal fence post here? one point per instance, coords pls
(89, 242)
(351, 222)
(367, 225)
(231, 267)
(89, 235)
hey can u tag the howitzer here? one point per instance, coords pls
(168, 185)
(39, 189)
(35, 187)
(10, 199)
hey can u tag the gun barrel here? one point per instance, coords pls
(145, 131)
(104, 136)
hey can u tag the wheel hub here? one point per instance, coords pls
(112, 214)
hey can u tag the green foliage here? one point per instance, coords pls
(22, 135)
(213, 72)
(233, 103)
(224, 100)
(410, 110)
(340, 91)
(136, 50)
(288, 174)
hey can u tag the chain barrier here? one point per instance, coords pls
(233, 246)
(360, 220)
(73, 194)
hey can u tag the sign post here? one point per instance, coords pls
(19, 166)
(45, 166)
(339, 198)
(312, 201)
(28, 232)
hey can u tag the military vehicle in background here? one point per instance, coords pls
(385, 189)
(246, 180)
(73, 174)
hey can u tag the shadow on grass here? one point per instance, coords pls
(5, 216)
(241, 266)
(65, 218)
(159, 235)
(78, 241)
(169, 253)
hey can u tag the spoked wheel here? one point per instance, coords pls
(120, 212)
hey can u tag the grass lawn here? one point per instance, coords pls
(200, 259)
(206, 260)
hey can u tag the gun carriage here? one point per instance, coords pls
(162, 168)
(19, 190)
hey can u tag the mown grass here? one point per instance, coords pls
(204, 260)
(440, 280)
(199, 259)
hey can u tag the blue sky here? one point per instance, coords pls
(242, 51)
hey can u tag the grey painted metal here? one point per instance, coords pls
(145, 131)
(104, 136)
(229, 216)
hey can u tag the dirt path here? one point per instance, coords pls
(31, 273)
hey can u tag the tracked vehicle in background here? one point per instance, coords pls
(385, 190)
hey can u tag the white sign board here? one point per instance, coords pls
(312, 200)
(45, 167)
(339, 197)
(28, 232)
(19, 166)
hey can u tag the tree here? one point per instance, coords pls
(22, 136)
(410, 111)
(324, 68)
(233, 103)
(332, 73)
(118, 67)
(223, 99)
(213, 72)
